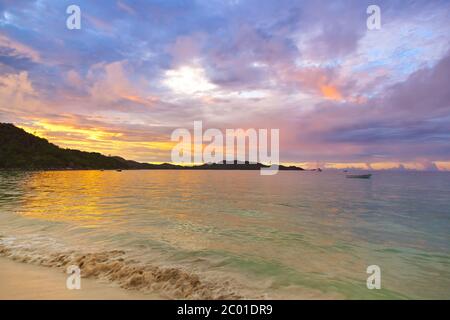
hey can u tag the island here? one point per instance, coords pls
(20, 150)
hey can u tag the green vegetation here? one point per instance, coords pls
(22, 150)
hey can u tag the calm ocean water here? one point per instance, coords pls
(293, 235)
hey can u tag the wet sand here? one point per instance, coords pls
(32, 282)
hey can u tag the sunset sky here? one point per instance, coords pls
(341, 95)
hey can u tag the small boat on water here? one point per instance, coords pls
(118, 170)
(359, 176)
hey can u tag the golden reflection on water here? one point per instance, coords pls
(68, 196)
(190, 210)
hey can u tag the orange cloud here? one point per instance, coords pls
(443, 165)
(148, 101)
(330, 92)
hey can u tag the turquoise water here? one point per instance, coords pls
(293, 235)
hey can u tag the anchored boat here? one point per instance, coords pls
(359, 176)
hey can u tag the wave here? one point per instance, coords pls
(115, 266)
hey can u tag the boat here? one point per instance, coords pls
(119, 170)
(359, 176)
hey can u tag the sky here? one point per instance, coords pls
(342, 95)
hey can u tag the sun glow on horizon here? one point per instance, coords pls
(98, 140)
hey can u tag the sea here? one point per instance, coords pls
(235, 234)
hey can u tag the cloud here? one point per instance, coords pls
(17, 92)
(17, 55)
(188, 80)
(125, 7)
(331, 92)
(410, 119)
(339, 92)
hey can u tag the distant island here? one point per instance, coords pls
(22, 150)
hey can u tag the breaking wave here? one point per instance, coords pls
(115, 266)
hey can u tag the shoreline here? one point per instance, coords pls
(101, 270)
(23, 281)
(187, 168)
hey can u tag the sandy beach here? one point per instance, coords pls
(31, 282)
